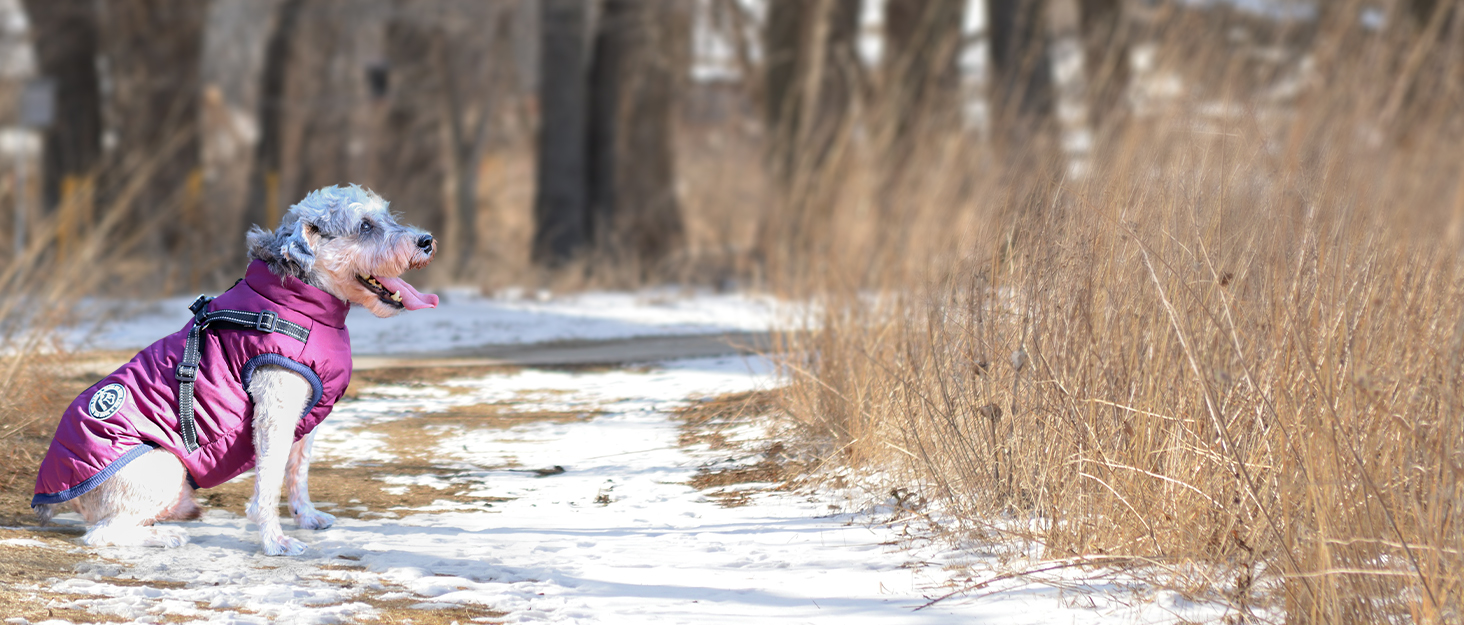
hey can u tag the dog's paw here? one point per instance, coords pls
(282, 546)
(312, 519)
(166, 537)
(135, 536)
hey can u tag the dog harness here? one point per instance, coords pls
(188, 392)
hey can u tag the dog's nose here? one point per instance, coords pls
(425, 242)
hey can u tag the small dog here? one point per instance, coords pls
(243, 384)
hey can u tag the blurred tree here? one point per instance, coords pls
(1023, 98)
(447, 67)
(410, 170)
(921, 76)
(1105, 57)
(811, 77)
(606, 180)
(1440, 75)
(266, 204)
(65, 39)
(154, 49)
(320, 128)
(810, 73)
(478, 80)
(631, 178)
(560, 194)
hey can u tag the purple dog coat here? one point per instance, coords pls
(135, 409)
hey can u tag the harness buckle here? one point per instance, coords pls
(198, 305)
(187, 372)
(266, 321)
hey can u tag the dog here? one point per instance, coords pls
(242, 385)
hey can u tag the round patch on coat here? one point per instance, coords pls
(107, 401)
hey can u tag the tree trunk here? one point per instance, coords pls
(65, 36)
(1023, 97)
(782, 37)
(471, 105)
(633, 213)
(322, 78)
(411, 171)
(811, 77)
(1105, 57)
(921, 77)
(155, 48)
(266, 203)
(560, 223)
(810, 73)
(1442, 20)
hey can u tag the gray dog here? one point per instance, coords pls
(242, 385)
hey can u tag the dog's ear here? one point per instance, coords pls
(297, 246)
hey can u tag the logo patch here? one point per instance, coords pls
(107, 401)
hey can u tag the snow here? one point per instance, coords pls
(617, 538)
(465, 320)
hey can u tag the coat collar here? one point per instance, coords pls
(295, 295)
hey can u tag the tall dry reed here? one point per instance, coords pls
(1230, 357)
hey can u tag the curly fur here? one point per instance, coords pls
(327, 240)
(336, 234)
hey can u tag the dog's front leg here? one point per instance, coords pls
(297, 476)
(280, 397)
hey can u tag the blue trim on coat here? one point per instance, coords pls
(95, 480)
(280, 361)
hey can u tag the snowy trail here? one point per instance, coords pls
(617, 538)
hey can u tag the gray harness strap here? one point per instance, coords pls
(267, 321)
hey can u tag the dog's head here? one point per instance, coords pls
(344, 241)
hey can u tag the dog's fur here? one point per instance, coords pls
(324, 243)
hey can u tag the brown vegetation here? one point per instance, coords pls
(1230, 356)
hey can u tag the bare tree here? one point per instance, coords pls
(265, 206)
(1105, 56)
(1023, 97)
(560, 195)
(631, 178)
(410, 169)
(921, 77)
(811, 76)
(323, 126)
(65, 39)
(479, 80)
(1440, 27)
(154, 49)
(810, 73)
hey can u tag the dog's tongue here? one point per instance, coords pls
(411, 299)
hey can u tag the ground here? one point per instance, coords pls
(667, 491)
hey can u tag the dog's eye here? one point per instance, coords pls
(365, 227)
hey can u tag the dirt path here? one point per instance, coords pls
(473, 493)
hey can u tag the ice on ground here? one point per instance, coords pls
(465, 320)
(617, 538)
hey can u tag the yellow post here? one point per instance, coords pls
(271, 199)
(193, 222)
(72, 210)
(192, 195)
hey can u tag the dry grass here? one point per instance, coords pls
(751, 466)
(1231, 357)
(38, 377)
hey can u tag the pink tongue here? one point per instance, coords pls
(411, 299)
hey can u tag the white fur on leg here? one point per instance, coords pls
(121, 510)
(297, 476)
(280, 397)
